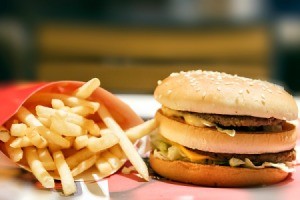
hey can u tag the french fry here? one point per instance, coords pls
(66, 108)
(117, 151)
(82, 110)
(4, 134)
(84, 165)
(54, 147)
(37, 168)
(57, 103)
(105, 131)
(61, 114)
(16, 154)
(136, 132)
(78, 157)
(113, 160)
(125, 143)
(35, 138)
(141, 130)
(47, 112)
(70, 101)
(27, 117)
(65, 128)
(87, 89)
(105, 142)
(81, 142)
(94, 129)
(18, 130)
(103, 166)
(79, 121)
(46, 159)
(45, 121)
(64, 171)
(20, 142)
(53, 137)
(10, 122)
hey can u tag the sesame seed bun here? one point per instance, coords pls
(214, 175)
(220, 93)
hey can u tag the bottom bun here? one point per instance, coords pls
(214, 175)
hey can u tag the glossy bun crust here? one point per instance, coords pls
(220, 93)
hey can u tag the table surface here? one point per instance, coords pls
(18, 184)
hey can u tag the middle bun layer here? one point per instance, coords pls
(211, 140)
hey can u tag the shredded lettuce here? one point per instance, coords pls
(174, 153)
(160, 154)
(163, 149)
(235, 162)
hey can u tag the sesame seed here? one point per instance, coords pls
(159, 82)
(174, 74)
(169, 91)
(241, 91)
(263, 96)
(218, 88)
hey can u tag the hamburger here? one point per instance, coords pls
(222, 130)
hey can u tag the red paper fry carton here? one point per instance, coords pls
(29, 95)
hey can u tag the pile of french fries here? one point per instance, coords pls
(63, 140)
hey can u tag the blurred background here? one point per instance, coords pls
(130, 45)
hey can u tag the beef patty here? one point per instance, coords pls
(238, 121)
(281, 157)
(225, 120)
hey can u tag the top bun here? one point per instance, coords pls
(220, 93)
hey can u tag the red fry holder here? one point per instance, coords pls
(16, 95)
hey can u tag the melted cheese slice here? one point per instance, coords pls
(188, 118)
(193, 156)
